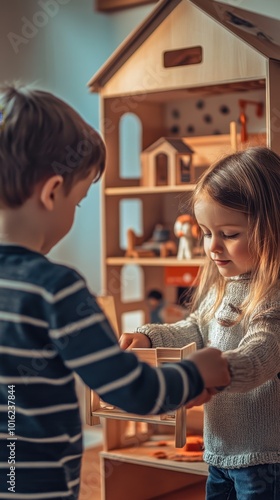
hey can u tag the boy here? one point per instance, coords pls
(50, 324)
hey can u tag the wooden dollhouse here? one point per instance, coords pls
(186, 58)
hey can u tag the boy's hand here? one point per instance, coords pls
(203, 397)
(131, 340)
(213, 367)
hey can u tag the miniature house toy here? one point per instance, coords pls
(185, 54)
(168, 161)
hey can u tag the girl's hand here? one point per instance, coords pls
(130, 340)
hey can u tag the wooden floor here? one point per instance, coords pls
(90, 475)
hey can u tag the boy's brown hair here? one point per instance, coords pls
(41, 136)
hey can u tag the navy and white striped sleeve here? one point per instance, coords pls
(87, 344)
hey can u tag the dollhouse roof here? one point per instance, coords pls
(253, 35)
(177, 144)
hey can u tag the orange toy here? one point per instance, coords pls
(186, 229)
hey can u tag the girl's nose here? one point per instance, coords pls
(216, 245)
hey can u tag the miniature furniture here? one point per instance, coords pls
(153, 357)
(167, 162)
(158, 245)
(132, 443)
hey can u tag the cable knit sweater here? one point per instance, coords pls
(242, 423)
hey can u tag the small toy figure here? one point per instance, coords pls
(162, 312)
(186, 230)
(155, 303)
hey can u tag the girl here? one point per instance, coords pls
(237, 309)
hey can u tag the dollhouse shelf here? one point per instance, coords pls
(120, 415)
(157, 261)
(148, 190)
(140, 455)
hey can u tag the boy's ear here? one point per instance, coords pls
(50, 191)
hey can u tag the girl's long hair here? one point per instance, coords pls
(249, 182)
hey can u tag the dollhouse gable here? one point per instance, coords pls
(179, 44)
(168, 161)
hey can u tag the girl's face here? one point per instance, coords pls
(225, 237)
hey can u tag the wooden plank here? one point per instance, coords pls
(156, 261)
(146, 355)
(108, 5)
(92, 404)
(106, 302)
(114, 431)
(141, 455)
(92, 400)
(180, 427)
(131, 191)
(118, 414)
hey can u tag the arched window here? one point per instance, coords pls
(130, 133)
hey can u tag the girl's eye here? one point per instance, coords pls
(231, 235)
(227, 236)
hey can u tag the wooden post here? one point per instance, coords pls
(233, 136)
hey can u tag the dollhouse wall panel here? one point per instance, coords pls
(112, 226)
(207, 115)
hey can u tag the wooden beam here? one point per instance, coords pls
(109, 5)
(273, 106)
